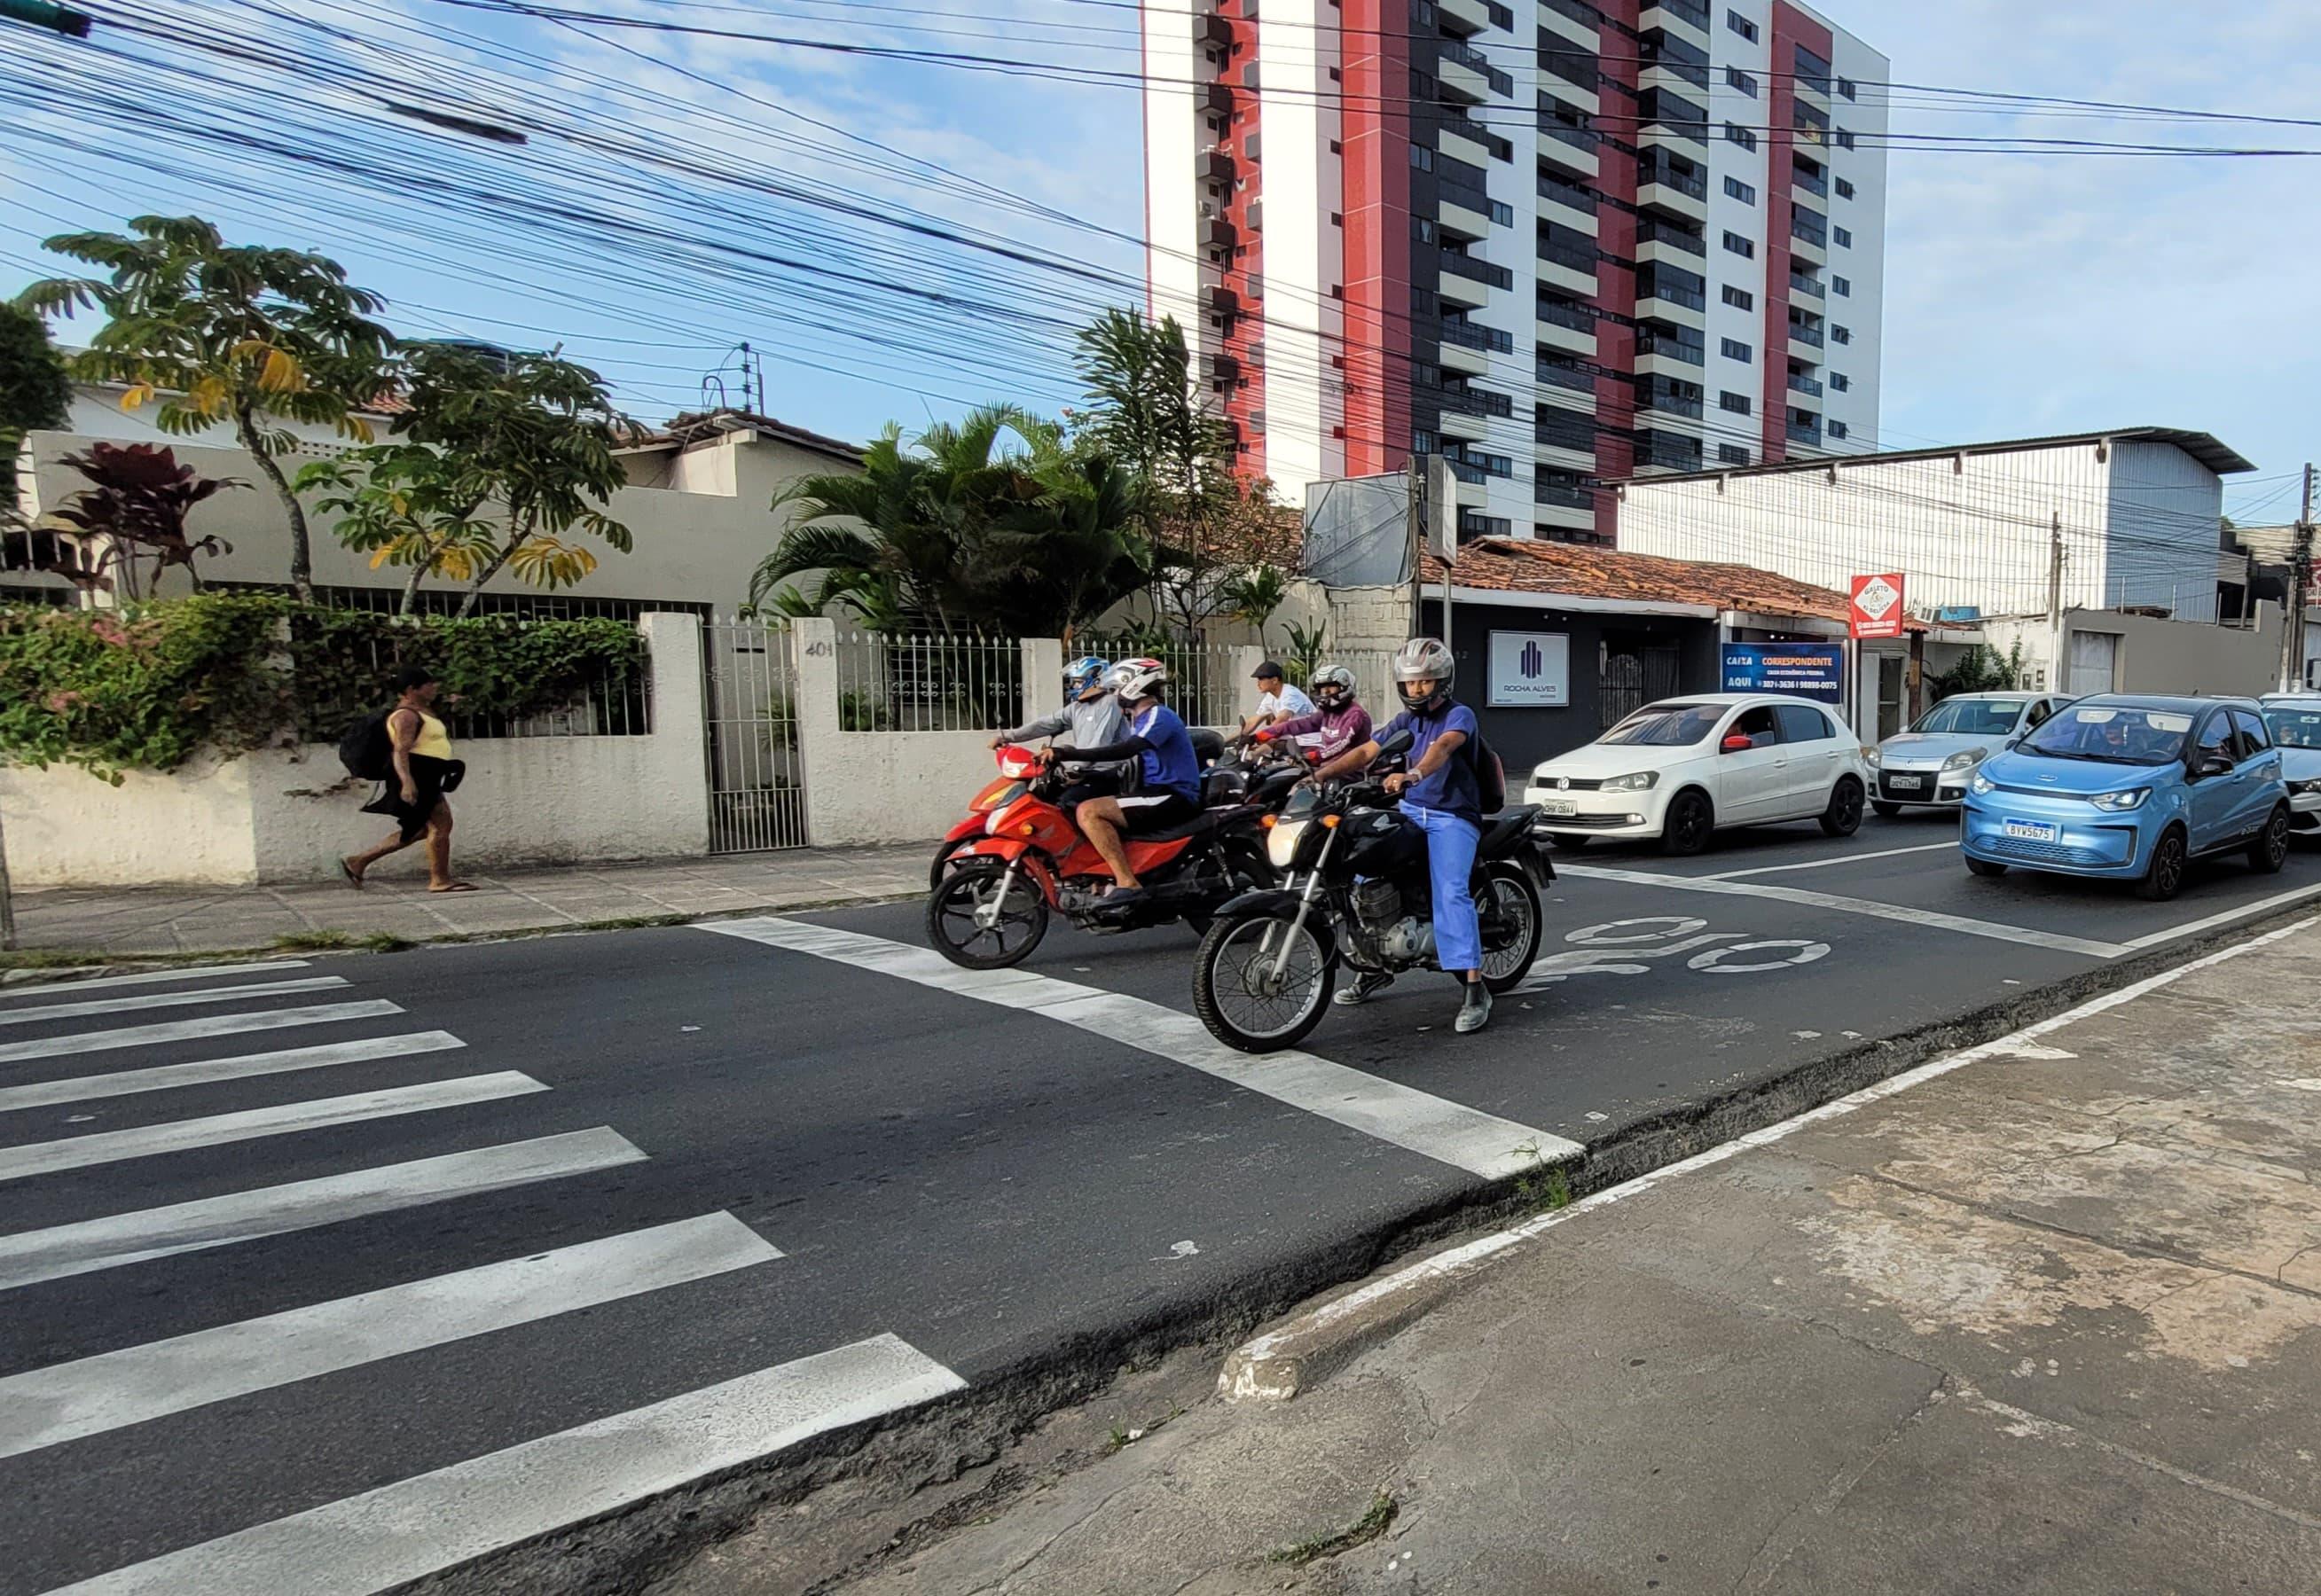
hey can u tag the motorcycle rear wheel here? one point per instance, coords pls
(1517, 902)
(952, 907)
(1232, 974)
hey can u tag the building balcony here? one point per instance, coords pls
(1573, 151)
(1658, 240)
(1465, 293)
(1811, 287)
(1685, 19)
(1217, 98)
(1567, 517)
(1568, 203)
(1223, 301)
(1573, 21)
(1799, 382)
(1461, 81)
(1469, 14)
(1685, 310)
(1810, 183)
(1216, 164)
(1668, 350)
(1221, 367)
(1471, 429)
(1567, 340)
(1457, 146)
(1568, 269)
(1459, 358)
(1217, 233)
(1456, 215)
(1669, 198)
(1569, 495)
(1472, 401)
(1800, 433)
(1810, 336)
(1812, 251)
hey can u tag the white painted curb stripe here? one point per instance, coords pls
(2245, 912)
(144, 1141)
(43, 1095)
(165, 999)
(193, 1030)
(1457, 1259)
(91, 1395)
(1419, 1122)
(30, 1256)
(1900, 913)
(1888, 853)
(402, 1532)
(150, 978)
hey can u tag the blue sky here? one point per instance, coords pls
(2025, 294)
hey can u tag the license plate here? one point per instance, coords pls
(1904, 784)
(1559, 806)
(2032, 831)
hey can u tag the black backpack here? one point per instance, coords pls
(1490, 775)
(365, 749)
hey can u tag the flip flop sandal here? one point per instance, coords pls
(348, 871)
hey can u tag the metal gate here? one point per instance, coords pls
(757, 778)
(1632, 675)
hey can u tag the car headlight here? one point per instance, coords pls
(1640, 781)
(1982, 783)
(2302, 788)
(1873, 758)
(2117, 802)
(1966, 759)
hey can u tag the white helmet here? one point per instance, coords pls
(1424, 659)
(1135, 679)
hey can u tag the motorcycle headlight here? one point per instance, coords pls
(1966, 759)
(2117, 802)
(1982, 783)
(1282, 842)
(1640, 781)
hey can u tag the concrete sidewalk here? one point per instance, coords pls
(217, 919)
(2047, 1320)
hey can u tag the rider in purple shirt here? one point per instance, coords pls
(1343, 722)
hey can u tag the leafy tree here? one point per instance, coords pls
(493, 462)
(1254, 594)
(1305, 646)
(1979, 669)
(249, 336)
(136, 506)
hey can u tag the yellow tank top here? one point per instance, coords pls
(434, 741)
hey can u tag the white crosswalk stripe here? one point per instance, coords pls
(42, 1012)
(192, 1031)
(40, 1095)
(41, 989)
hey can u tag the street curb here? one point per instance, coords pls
(1317, 1342)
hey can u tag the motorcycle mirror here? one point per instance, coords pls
(1398, 743)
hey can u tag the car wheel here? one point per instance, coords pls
(1691, 820)
(2163, 878)
(1885, 812)
(2269, 851)
(1842, 817)
(1985, 867)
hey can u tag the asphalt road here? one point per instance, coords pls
(635, 1205)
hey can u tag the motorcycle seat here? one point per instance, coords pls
(1505, 829)
(1209, 819)
(1208, 747)
(1223, 786)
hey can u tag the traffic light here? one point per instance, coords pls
(40, 13)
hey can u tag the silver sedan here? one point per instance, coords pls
(1931, 762)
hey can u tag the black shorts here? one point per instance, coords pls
(1147, 812)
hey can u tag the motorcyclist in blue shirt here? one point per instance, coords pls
(1168, 770)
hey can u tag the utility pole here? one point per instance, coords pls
(2300, 574)
(2058, 672)
(1415, 510)
(40, 13)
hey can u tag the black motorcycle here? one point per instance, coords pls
(1355, 891)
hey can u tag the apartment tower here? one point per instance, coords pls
(1559, 243)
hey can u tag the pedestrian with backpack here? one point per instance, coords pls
(408, 751)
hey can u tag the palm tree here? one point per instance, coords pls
(243, 334)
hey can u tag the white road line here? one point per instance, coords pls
(1901, 913)
(1436, 1126)
(145, 1141)
(193, 1030)
(2227, 917)
(398, 1532)
(91, 1395)
(30, 1256)
(1888, 853)
(165, 999)
(150, 977)
(43, 1095)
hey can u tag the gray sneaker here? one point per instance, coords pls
(1475, 1012)
(1364, 989)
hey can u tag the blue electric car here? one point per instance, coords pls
(2130, 787)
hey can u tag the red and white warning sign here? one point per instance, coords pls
(1876, 610)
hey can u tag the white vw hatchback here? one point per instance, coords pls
(1679, 770)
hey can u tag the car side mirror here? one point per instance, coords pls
(2213, 765)
(1737, 742)
(1398, 743)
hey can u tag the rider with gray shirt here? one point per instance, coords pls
(1091, 719)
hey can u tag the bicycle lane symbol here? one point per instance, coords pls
(1623, 946)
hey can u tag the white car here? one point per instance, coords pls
(2294, 719)
(1679, 770)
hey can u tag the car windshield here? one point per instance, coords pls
(1665, 726)
(2113, 734)
(1971, 717)
(2295, 726)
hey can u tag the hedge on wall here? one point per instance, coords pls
(145, 687)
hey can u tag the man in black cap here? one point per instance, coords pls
(1276, 699)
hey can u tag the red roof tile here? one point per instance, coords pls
(1585, 571)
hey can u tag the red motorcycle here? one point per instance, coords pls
(994, 893)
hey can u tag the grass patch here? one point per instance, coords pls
(1544, 1187)
(335, 940)
(1361, 1532)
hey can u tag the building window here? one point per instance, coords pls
(1844, 139)
(1740, 135)
(1740, 191)
(1422, 229)
(1841, 286)
(1738, 404)
(1844, 238)
(1737, 78)
(1837, 429)
(1839, 383)
(1845, 88)
(1838, 334)
(1734, 350)
(1742, 25)
(1740, 298)
(1421, 443)
(1844, 189)
(1732, 454)
(1739, 246)
(1422, 157)
(1503, 213)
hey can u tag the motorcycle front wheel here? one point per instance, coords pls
(960, 929)
(1512, 943)
(1249, 994)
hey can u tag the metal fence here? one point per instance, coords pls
(1373, 671)
(929, 681)
(757, 777)
(1206, 687)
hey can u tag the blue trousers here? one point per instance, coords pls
(1451, 844)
